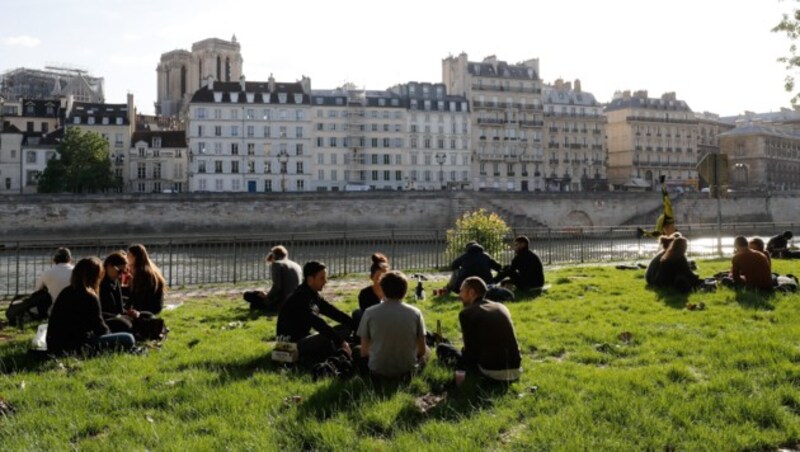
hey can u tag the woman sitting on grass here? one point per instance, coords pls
(76, 322)
(372, 294)
(674, 270)
(147, 285)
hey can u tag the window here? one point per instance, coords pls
(30, 157)
(266, 131)
(333, 159)
(301, 185)
(157, 171)
(251, 149)
(201, 166)
(235, 167)
(218, 166)
(251, 131)
(217, 131)
(387, 159)
(234, 131)
(141, 171)
(282, 131)
(374, 175)
(299, 167)
(218, 148)
(29, 126)
(234, 148)
(298, 150)
(298, 132)
(387, 175)
(268, 185)
(398, 175)
(156, 140)
(219, 184)
(320, 159)
(251, 167)
(142, 152)
(334, 175)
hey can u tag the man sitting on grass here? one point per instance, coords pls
(778, 246)
(301, 312)
(749, 269)
(474, 262)
(393, 333)
(490, 344)
(525, 271)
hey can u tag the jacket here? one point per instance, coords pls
(475, 262)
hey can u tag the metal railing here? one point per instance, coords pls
(228, 258)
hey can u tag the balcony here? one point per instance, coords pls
(665, 120)
(491, 121)
(553, 129)
(575, 146)
(554, 161)
(531, 123)
(553, 145)
(599, 147)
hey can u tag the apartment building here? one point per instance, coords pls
(250, 136)
(37, 150)
(650, 137)
(574, 139)
(158, 162)
(40, 116)
(762, 156)
(507, 119)
(11, 160)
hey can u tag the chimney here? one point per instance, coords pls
(626, 94)
(559, 83)
(641, 94)
(271, 82)
(668, 96)
(241, 77)
(305, 82)
(577, 85)
(568, 86)
(131, 112)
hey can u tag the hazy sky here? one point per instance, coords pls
(718, 55)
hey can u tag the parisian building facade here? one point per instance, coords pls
(651, 137)
(158, 162)
(762, 156)
(507, 120)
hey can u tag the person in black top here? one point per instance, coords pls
(474, 262)
(111, 294)
(525, 271)
(674, 271)
(372, 294)
(147, 284)
(76, 322)
(301, 312)
(655, 263)
(778, 246)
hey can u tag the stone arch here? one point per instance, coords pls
(579, 218)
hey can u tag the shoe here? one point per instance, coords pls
(639, 233)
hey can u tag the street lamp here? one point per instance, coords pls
(440, 159)
(283, 159)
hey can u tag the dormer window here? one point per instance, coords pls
(265, 97)
(395, 102)
(76, 120)
(339, 101)
(156, 142)
(298, 98)
(217, 97)
(282, 98)
(425, 90)
(234, 98)
(119, 121)
(50, 110)
(320, 100)
(30, 110)
(91, 120)
(381, 102)
(105, 120)
(412, 89)
(251, 97)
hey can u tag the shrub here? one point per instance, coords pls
(488, 229)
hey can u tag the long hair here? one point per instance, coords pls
(145, 272)
(676, 250)
(87, 275)
(379, 262)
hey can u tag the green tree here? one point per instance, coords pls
(486, 228)
(790, 25)
(83, 165)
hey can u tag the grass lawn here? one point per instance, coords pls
(723, 378)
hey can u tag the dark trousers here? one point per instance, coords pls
(316, 347)
(258, 301)
(450, 356)
(120, 324)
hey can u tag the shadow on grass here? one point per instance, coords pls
(756, 299)
(671, 298)
(228, 372)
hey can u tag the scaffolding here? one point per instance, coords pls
(51, 82)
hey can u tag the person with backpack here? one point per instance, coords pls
(76, 321)
(393, 333)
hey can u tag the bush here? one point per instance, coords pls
(488, 229)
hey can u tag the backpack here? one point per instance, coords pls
(149, 329)
(499, 294)
(34, 307)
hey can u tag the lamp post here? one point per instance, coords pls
(440, 159)
(283, 159)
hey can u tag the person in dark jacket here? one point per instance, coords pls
(302, 311)
(778, 246)
(112, 300)
(490, 343)
(674, 270)
(372, 294)
(525, 271)
(147, 285)
(76, 321)
(655, 262)
(474, 262)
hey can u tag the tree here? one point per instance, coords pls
(83, 166)
(488, 229)
(790, 25)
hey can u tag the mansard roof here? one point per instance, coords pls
(568, 97)
(648, 103)
(169, 138)
(260, 89)
(99, 111)
(38, 108)
(503, 70)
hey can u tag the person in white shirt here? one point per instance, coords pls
(57, 277)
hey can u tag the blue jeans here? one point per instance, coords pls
(113, 342)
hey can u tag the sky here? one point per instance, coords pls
(717, 55)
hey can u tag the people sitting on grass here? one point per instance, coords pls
(665, 225)
(285, 274)
(778, 247)
(372, 294)
(393, 333)
(749, 269)
(147, 285)
(76, 321)
(112, 301)
(674, 271)
(302, 311)
(655, 263)
(526, 271)
(756, 244)
(474, 262)
(490, 343)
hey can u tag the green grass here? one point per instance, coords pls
(724, 378)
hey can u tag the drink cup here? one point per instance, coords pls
(460, 376)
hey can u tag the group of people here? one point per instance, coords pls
(387, 336)
(751, 265)
(95, 305)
